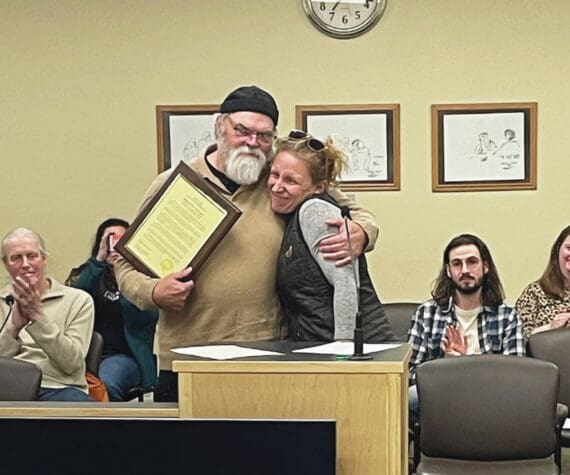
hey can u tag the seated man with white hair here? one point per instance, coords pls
(42, 321)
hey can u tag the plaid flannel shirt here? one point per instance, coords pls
(499, 329)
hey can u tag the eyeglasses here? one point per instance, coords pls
(312, 143)
(470, 262)
(241, 130)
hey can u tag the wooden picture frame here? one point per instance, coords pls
(369, 134)
(484, 147)
(182, 131)
(179, 227)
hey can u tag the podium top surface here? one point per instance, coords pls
(394, 360)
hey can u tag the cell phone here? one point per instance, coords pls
(111, 242)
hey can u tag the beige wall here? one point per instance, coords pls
(79, 80)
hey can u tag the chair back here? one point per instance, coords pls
(554, 346)
(19, 380)
(399, 315)
(488, 407)
(95, 353)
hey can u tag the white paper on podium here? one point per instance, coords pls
(346, 348)
(222, 352)
(566, 424)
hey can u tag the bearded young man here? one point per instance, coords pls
(234, 298)
(467, 315)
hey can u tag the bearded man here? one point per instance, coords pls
(234, 297)
(467, 314)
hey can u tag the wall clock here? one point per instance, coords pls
(344, 19)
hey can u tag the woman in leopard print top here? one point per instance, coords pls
(545, 304)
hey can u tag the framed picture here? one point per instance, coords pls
(369, 134)
(484, 147)
(182, 131)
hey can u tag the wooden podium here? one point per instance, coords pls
(368, 399)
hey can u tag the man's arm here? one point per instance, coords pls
(9, 346)
(67, 347)
(363, 232)
(418, 339)
(514, 343)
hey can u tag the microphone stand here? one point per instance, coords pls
(359, 341)
(358, 354)
(10, 302)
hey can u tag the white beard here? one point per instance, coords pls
(242, 167)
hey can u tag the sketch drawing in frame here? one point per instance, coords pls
(182, 131)
(369, 134)
(484, 147)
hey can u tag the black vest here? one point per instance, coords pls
(307, 298)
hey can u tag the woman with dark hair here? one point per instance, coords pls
(128, 332)
(545, 304)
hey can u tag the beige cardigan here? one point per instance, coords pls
(58, 343)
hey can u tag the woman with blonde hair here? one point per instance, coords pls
(319, 299)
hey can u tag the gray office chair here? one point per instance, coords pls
(399, 315)
(488, 414)
(554, 346)
(19, 380)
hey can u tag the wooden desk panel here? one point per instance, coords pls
(87, 409)
(369, 401)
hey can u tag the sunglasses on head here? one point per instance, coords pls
(312, 143)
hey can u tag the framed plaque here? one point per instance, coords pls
(179, 227)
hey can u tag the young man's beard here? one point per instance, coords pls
(469, 290)
(244, 164)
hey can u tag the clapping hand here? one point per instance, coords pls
(453, 343)
(27, 306)
(560, 320)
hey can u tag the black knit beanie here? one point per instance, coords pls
(252, 99)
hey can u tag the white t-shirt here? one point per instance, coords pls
(468, 323)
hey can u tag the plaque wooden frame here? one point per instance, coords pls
(208, 192)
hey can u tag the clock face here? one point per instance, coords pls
(344, 19)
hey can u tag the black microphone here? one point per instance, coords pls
(358, 330)
(9, 299)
